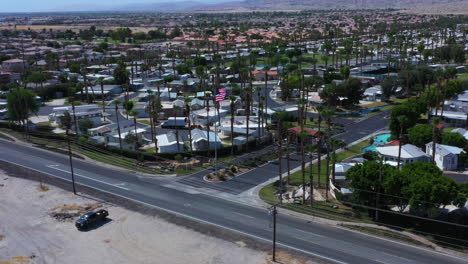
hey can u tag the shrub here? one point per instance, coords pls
(234, 169)
(369, 155)
(221, 176)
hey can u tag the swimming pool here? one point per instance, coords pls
(379, 140)
(369, 148)
(382, 139)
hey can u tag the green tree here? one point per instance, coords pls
(84, 125)
(367, 180)
(389, 86)
(121, 75)
(420, 134)
(21, 103)
(428, 188)
(128, 106)
(454, 139)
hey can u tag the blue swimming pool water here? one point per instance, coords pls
(379, 140)
(382, 139)
(369, 148)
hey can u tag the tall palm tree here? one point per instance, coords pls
(149, 110)
(116, 104)
(232, 107)
(281, 117)
(435, 136)
(187, 115)
(248, 92)
(303, 135)
(327, 114)
(311, 149)
(101, 82)
(134, 114)
(319, 144)
(402, 120)
(177, 109)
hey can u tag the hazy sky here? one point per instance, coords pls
(73, 5)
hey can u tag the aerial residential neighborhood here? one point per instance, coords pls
(234, 132)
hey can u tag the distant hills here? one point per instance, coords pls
(257, 5)
(341, 4)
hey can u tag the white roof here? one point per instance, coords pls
(343, 167)
(445, 149)
(461, 131)
(407, 151)
(168, 139)
(131, 131)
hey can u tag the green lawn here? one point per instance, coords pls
(462, 76)
(145, 121)
(374, 104)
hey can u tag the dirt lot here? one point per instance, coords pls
(30, 234)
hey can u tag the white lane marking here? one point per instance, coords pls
(89, 178)
(309, 233)
(244, 215)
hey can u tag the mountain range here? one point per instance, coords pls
(257, 5)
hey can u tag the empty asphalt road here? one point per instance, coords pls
(331, 244)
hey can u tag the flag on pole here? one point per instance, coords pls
(220, 94)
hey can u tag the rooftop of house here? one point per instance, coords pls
(407, 151)
(443, 150)
(168, 139)
(199, 134)
(461, 131)
(310, 131)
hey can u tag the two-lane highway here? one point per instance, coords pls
(329, 243)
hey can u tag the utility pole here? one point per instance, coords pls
(273, 212)
(71, 163)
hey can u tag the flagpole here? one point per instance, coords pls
(216, 143)
(218, 119)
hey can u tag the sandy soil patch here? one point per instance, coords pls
(30, 233)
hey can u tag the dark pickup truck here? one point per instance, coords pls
(90, 218)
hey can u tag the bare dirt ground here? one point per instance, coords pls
(30, 235)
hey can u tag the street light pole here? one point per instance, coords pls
(273, 213)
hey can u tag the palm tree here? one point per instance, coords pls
(248, 92)
(311, 149)
(232, 106)
(128, 106)
(303, 135)
(281, 116)
(149, 110)
(258, 89)
(435, 136)
(116, 103)
(403, 120)
(134, 114)
(177, 109)
(187, 115)
(327, 113)
(101, 81)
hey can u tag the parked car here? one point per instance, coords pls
(91, 218)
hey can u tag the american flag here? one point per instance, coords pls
(220, 94)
